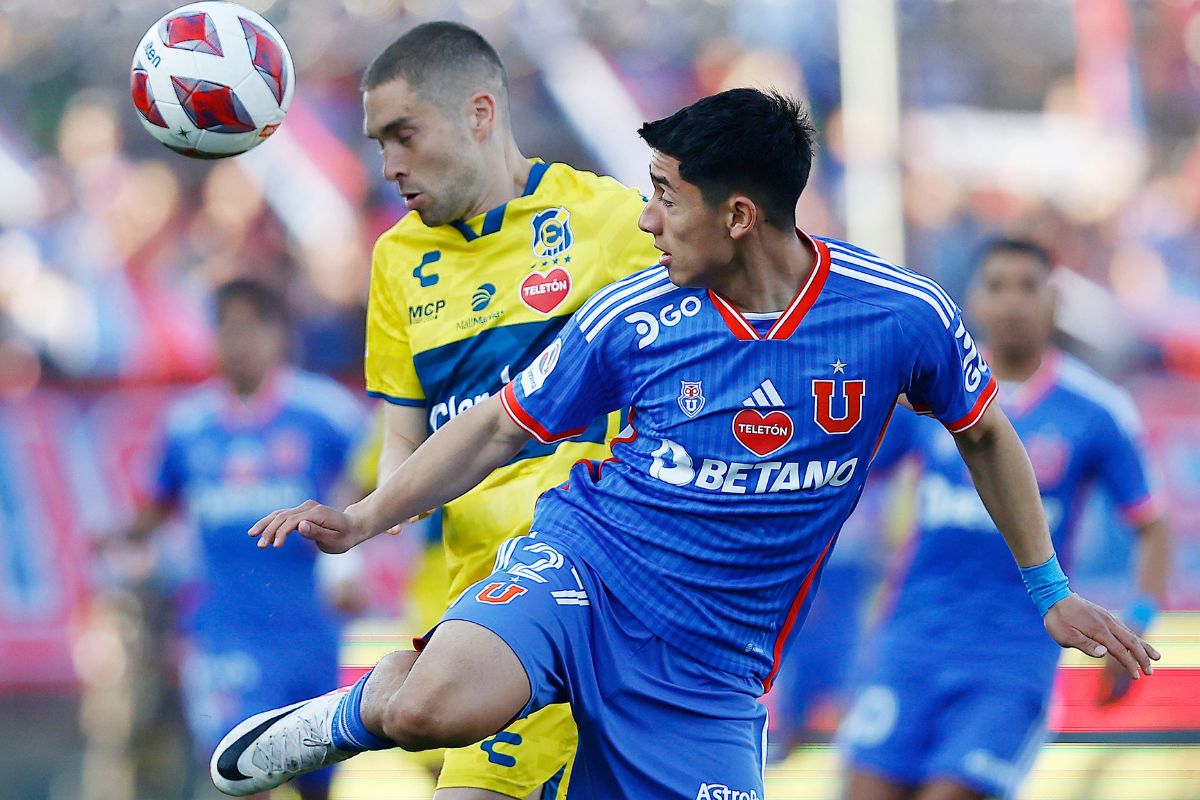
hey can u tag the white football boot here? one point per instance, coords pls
(275, 746)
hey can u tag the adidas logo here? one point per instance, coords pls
(765, 396)
(763, 432)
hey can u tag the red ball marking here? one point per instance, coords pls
(192, 32)
(143, 98)
(268, 58)
(212, 106)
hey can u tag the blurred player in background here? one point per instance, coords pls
(953, 705)
(657, 589)
(263, 632)
(465, 292)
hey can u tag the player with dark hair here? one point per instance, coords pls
(259, 433)
(465, 292)
(657, 588)
(953, 704)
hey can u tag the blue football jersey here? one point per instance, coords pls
(749, 438)
(1080, 430)
(226, 463)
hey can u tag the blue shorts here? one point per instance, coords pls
(653, 721)
(223, 685)
(914, 721)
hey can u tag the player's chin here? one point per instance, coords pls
(681, 276)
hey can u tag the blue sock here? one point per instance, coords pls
(349, 732)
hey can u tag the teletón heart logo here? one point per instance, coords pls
(762, 434)
(545, 291)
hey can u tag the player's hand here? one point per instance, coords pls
(1076, 622)
(333, 531)
(1114, 682)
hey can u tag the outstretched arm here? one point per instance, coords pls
(1005, 481)
(1150, 589)
(451, 462)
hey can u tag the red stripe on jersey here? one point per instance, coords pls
(793, 612)
(742, 329)
(508, 398)
(882, 431)
(633, 434)
(793, 315)
(787, 323)
(975, 414)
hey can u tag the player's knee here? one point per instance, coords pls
(421, 722)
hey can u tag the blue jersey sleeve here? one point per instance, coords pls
(950, 379)
(1120, 467)
(574, 380)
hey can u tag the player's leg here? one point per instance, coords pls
(217, 686)
(862, 785)
(986, 736)
(656, 722)
(466, 685)
(481, 794)
(309, 659)
(516, 762)
(473, 678)
(948, 790)
(886, 736)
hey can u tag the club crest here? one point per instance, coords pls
(691, 397)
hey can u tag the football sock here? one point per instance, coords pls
(349, 732)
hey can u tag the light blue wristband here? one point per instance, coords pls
(1046, 584)
(1141, 613)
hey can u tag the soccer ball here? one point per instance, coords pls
(211, 80)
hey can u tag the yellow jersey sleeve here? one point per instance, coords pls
(628, 248)
(362, 469)
(390, 373)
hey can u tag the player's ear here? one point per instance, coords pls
(481, 113)
(741, 216)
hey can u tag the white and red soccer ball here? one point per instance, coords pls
(212, 79)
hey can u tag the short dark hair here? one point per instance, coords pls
(267, 303)
(1019, 246)
(741, 139)
(440, 60)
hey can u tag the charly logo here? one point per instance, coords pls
(552, 233)
(482, 297)
(430, 279)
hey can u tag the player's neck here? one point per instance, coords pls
(1015, 367)
(505, 181)
(769, 271)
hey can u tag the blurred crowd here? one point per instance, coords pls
(1074, 123)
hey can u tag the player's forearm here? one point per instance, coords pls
(450, 463)
(404, 431)
(393, 454)
(1153, 559)
(1005, 481)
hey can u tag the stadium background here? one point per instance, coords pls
(941, 121)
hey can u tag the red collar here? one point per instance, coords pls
(790, 319)
(1031, 390)
(260, 407)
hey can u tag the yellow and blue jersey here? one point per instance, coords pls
(458, 310)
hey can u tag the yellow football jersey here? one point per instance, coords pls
(457, 311)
